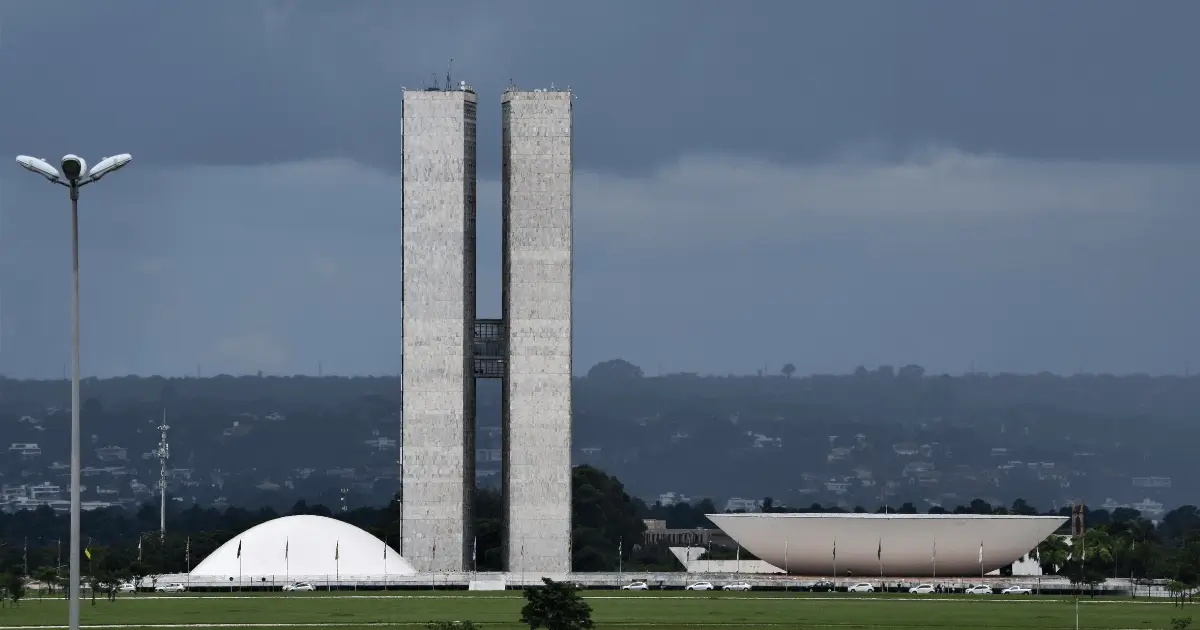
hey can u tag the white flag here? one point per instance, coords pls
(980, 553)
(935, 551)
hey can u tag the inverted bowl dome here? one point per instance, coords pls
(900, 545)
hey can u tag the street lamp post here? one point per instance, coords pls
(75, 175)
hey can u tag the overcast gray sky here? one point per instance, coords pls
(1010, 184)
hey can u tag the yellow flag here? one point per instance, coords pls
(88, 553)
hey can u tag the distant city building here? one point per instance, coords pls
(667, 499)
(1152, 482)
(743, 505)
(25, 449)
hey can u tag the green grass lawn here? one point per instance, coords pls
(664, 611)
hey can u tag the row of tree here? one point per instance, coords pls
(606, 520)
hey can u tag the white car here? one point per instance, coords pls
(126, 587)
(861, 587)
(636, 586)
(299, 586)
(922, 588)
(174, 587)
(1016, 590)
(736, 586)
(699, 586)
(978, 589)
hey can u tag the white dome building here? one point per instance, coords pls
(301, 547)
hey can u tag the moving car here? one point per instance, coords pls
(1016, 590)
(736, 586)
(861, 587)
(822, 586)
(922, 588)
(299, 586)
(636, 586)
(126, 587)
(699, 586)
(173, 587)
(978, 589)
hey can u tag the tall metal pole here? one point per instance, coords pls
(73, 597)
(163, 454)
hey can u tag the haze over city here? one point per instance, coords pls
(1009, 187)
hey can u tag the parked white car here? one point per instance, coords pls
(173, 587)
(736, 586)
(126, 587)
(978, 589)
(636, 586)
(299, 586)
(1016, 590)
(861, 587)
(699, 586)
(922, 588)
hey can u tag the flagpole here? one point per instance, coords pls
(385, 577)
(287, 560)
(621, 560)
(187, 552)
(879, 557)
(786, 570)
(935, 558)
(835, 573)
(687, 563)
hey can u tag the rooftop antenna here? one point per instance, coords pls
(163, 455)
(449, 66)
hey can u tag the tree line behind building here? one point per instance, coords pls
(894, 435)
(606, 520)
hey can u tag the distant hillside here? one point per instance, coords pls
(859, 439)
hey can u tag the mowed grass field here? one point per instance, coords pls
(660, 611)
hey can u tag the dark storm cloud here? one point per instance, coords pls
(1014, 185)
(243, 82)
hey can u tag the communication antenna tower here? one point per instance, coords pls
(163, 455)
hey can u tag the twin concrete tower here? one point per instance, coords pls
(446, 347)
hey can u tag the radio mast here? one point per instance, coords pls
(163, 455)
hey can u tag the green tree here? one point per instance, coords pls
(789, 370)
(605, 521)
(15, 587)
(1052, 554)
(136, 572)
(48, 576)
(556, 606)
